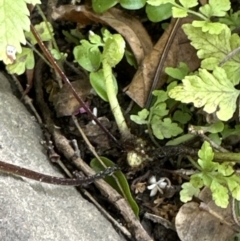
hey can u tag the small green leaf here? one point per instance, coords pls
(225, 169)
(216, 127)
(229, 132)
(216, 8)
(88, 56)
(123, 189)
(232, 20)
(206, 26)
(196, 180)
(131, 59)
(179, 13)
(236, 193)
(188, 191)
(181, 117)
(159, 13)
(100, 6)
(24, 61)
(178, 73)
(189, 3)
(42, 30)
(95, 58)
(213, 128)
(95, 39)
(165, 129)
(213, 91)
(132, 4)
(215, 138)
(159, 110)
(97, 81)
(114, 49)
(141, 117)
(161, 95)
(232, 184)
(58, 55)
(206, 156)
(181, 139)
(219, 194)
(106, 34)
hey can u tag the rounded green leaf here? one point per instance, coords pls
(88, 56)
(132, 4)
(159, 13)
(97, 81)
(189, 3)
(100, 6)
(179, 13)
(114, 50)
(188, 191)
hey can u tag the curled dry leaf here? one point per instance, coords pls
(129, 27)
(180, 50)
(64, 101)
(194, 223)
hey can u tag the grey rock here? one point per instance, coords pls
(34, 211)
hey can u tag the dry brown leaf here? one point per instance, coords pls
(180, 51)
(192, 223)
(65, 103)
(129, 27)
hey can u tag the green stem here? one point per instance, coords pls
(115, 107)
(227, 156)
(194, 163)
(198, 14)
(39, 54)
(190, 11)
(46, 22)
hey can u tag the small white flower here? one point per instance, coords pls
(158, 185)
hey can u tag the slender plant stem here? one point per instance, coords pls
(113, 101)
(48, 27)
(194, 163)
(38, 53)
(191, 11)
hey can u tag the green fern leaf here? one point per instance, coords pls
(213, 91)
(165, 128)
(219, 190)
(213, 48)
(13, 21)
(216, 8)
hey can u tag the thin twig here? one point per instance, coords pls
(162, 61)
(26, 99)
(92, 149)
(229, 56)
